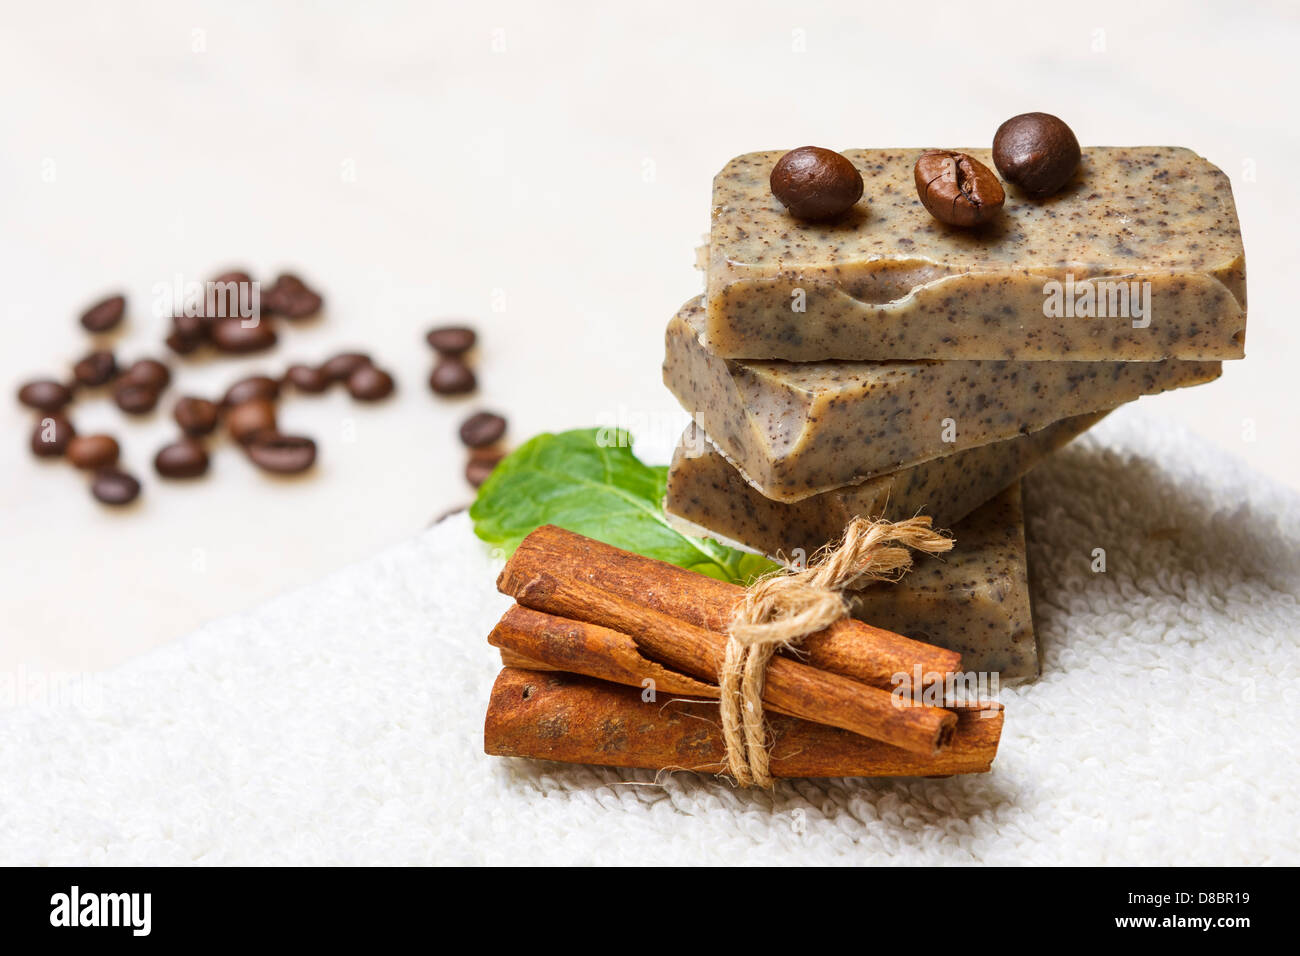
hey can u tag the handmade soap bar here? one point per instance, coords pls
(706, 492)
(796, 429)
(888, 281)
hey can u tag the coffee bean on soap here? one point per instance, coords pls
(232, 336)
(148, 372)
(452, 339)
(341, 366)
(196, 416)
(306, 379)
(1036, 152)
(815, 183)
(185, 458)
(451, 376)
(114, 487)
(247, 389)
(103, 316)
(45, 395)
(369, 384)
(482, 429)
(133, 398)
(482, 462)
(97, 368)
(245, 420)
(282, 454)
(51, 435)
(90, 452)
(957, 189)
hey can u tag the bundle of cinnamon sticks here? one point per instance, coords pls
(612, 658)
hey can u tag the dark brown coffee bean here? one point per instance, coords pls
(247, 389)
(189, 332)
(104, 315)
(957, 189)
(246, 419)
(231, 335)
(369, 384)
(114, 487)
(451, 376)
(481, 464)
(482, 429)
(341, 366)
(306, 379)
(196, 416)
(134, 399)
(815, 183)
(93, 451)
(51, 435)
(185, 458)
(289, 296)
(282, 454)
(452, 339)
(148, 372)
(97, 368)
(1036, 152)
(45, 395)
(234, 277)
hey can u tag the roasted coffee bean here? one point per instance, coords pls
(134, 399)
(148, 372)
(341, 366)
(482, 462)
(482, 429)
(306, 379)
(452, 339)
(188, 333)
(185, 458)
(104, 315)
(246, 419)
(93, 451)
(196, 416)
(282, 454)
(181, 345)
(369, 384)
(231, 335)
(51, 435)
(957, 189)
(114, 487)
(289, 296)
(247, 389)
(1036, 152)
(97, 368)
(451, 376)
(815, 183)
(45, 395)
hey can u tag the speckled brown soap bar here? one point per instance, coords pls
(797, 429)
(888, 281)
(713, 499)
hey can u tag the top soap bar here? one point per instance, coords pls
(888, 281)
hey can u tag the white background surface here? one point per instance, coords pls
(544, 173)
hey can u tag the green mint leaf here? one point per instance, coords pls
(588, 481)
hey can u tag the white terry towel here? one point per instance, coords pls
(342, 723)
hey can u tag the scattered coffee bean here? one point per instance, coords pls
(451, 376)
(188, 333)
(282, 454)
(134, 399)
(246, 419)
(289, 296)
(341, 366)
(1036, 152)
(196, 416)
(185, 458)
(369, 384)
(452, 339)
(231, 335)
(306, 379)
(148, 372)
(815, 183)
(482, 462)
(114, 487)
(97, 368)
(103, 316)
(957, 189)
(93, 451)
(234, 277)
(482, 429)
(247, 389)
(51, 435)
(45, 395)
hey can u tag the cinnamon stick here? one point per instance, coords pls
(848, 647)
(572, 719)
